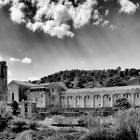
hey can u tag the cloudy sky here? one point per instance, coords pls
(72, 40)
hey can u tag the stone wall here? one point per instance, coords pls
(39, 98)
(13, 93)
(98, 99)
(3, 81)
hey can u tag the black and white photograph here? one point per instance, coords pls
(69, 69)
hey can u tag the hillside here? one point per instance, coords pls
(92, 78)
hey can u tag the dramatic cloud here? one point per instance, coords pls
(128, 6)
(25, 60)
(16, 14)
(59, 17)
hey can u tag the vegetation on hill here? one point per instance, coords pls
(92, 78)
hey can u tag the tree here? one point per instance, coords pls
(121, 104)
(14, 107)
(115, 81)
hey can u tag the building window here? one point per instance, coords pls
(52, 89)
(36, 100)
(52, 98)
(41, 95)
(26, 105)
(44, 89)
(26, 109)
(12, 95)
(41, 102)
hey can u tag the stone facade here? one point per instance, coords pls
(17, 90)
(99, 97)
(27, 109)
(3, 81)
(46, 95)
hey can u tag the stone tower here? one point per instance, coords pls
(3, 81)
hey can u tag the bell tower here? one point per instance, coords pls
(3, 81)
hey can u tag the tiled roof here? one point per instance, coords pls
(43, 85)
(38, 87)
(102, 89)
(22, 83)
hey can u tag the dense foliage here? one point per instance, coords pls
(92, 78)
(14, 107)
(121, 104)
(18, 125)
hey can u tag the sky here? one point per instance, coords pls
(35, 54)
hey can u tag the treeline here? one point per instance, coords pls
(92, 78)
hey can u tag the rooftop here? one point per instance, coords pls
(22, 83)
(102, 89)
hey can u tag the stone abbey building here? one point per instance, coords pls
(56, 95)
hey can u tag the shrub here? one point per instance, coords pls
(14, 107)
(18, 125)
(121, 104)
(3, 123)
(33, 125)
(128, 123)
(83, 122)
(89, 121)
(7, 134)
(123, 126)
(59, 119)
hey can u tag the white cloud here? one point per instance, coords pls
(61, 14)
(53, 17)
(32, 78)
(26, 60)
(128, 6)
(12, 59)
(17, 14)
(4, 2)
(82, 14)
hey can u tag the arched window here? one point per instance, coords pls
(52, 89)
(12, 95)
